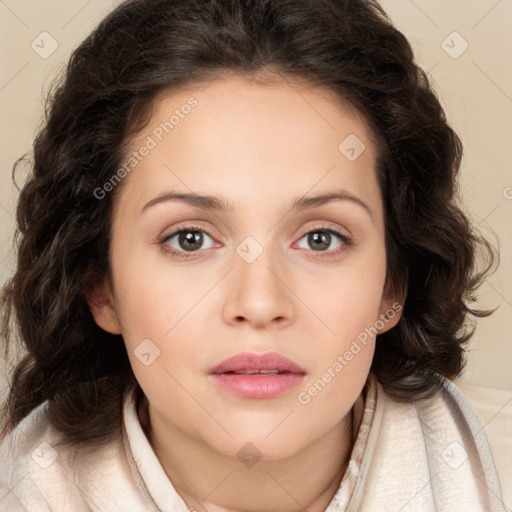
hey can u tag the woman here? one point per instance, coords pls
(243, 281)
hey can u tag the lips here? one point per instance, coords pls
(261, 376)
(265, 364)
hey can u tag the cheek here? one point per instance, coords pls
(346, 344)
(157, 331)
(159, 314)
(344, 352)
(151, 300)
(350, 299)
(347, 310)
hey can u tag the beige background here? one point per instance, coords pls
(475, 87)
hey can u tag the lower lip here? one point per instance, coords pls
(258, 385)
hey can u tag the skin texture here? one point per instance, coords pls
(259, 147)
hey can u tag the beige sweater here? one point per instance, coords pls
(421, 456)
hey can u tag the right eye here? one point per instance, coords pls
(189, 239)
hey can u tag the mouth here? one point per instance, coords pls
(250, 363)
(258, 372)
(257, 375)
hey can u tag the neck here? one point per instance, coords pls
(208, 480)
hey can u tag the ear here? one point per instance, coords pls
(101, 303)
(391, 307)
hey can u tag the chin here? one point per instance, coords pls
(257, 444)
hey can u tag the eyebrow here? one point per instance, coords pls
(213, 203)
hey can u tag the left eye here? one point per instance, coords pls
(187, 240)
(321, 239)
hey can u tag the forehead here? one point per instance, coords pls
(234, 102)
(276, 139)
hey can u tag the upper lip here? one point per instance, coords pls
(251, 361)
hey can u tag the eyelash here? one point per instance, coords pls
(347, 242)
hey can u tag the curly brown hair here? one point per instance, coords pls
(146, 47)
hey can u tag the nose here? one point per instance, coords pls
(258, 294)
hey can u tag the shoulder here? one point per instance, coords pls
(40, 471)
(448, 409)
(459, 441)
(494, 410)
(447, 422)
(439, 444)
(31, 441)
(29, 449)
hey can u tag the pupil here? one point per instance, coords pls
(320, 240)
(194, 240)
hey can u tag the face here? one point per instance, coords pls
(256, 268)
